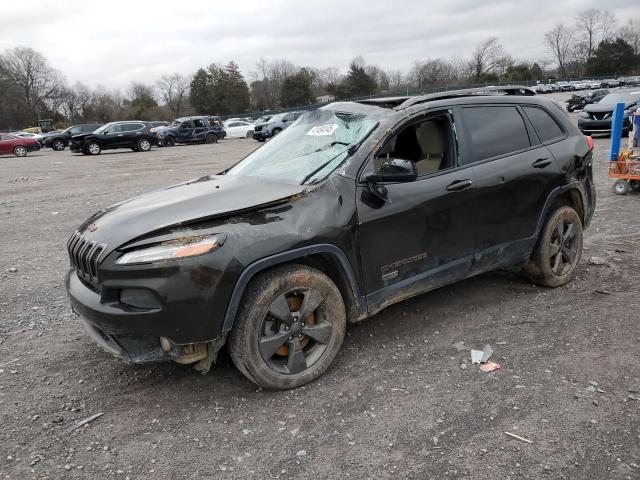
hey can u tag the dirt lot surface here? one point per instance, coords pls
(401, 401)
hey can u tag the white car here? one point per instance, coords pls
(238, 129)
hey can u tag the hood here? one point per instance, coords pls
(600, 108)
(195, 200)
(79, 136)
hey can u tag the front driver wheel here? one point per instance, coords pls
(58, 145)
(143, 145)
(557, 254)
(169, 142)
(20, 151)
(94, 148)
(289, 328)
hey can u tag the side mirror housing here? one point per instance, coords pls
(395, 170)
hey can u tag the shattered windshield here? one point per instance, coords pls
(309, 149)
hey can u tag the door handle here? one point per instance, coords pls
(458, 185)
(541, 163)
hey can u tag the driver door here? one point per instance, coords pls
(185, 131)
(422, 235)
(112, 136)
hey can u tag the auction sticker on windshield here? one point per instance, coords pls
(323, 130)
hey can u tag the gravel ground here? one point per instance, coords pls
(401, 401)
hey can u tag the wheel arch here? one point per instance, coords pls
(327, 258)
(571, 195)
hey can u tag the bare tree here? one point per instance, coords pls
(560, 41)
(630, 33)
(396, 80)
(330, 78)
(431, 72)
(587, 24)
(173, 91)
(74, 101)
(607, 23)
(36, 81)
(487, 56)
(269, 76)
(379, 76)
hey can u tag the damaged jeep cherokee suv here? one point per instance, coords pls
(354, 207)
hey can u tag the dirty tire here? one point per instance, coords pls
(621, 187)
(93, 148)
(249, 134)
(20, 151)
(211, 138)
(169, 142)
(264, 291)
(275, 132)
(143, 145)
(557, 254)
(58, 145)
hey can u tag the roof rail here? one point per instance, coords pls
(467, 92)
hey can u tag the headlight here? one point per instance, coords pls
(189, 247)
(584, 115)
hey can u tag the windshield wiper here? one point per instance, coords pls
(304, 180)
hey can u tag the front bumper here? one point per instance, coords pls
(587, 125)
(75, 147)
(34, 148)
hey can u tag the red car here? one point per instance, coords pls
(19, 146)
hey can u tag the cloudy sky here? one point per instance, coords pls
(114, 42)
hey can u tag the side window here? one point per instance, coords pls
(429, 144)
(545, 126)
(199, 123)
(117, 128)
(234, 124)
(129, 127)
(4, 137)
(186, 125)
(495, 131)
(288, 117)
(74, 130)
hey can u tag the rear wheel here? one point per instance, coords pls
(621, 187)
(211, 138)
(144, 145)
(20, 151)
(289, 329)
(58, 145)
(559, 249)
(93, 148)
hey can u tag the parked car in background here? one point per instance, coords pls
(610, 83)
(17, 145)
(594, 84)
(39, 137)
(579, 100)
(542, 88)
(60, 140)
(132, 134)
(274, 125)
(199, 129)
(596, 118)
(238, 129)
(564, 87)
(356, 206)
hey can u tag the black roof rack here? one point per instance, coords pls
(400, 103)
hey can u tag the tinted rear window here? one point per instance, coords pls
(495, 131)
(545, 126)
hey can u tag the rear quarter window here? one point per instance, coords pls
(544, 124)
(495, 131)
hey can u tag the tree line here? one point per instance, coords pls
(31, 89)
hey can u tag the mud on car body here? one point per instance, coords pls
(201, 129)
(354, 207)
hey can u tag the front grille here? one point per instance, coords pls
(85, 256)
(600, 116)
(257, 128)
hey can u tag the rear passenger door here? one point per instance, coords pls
(515, 173)
(199, 130)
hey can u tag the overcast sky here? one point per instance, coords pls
(114, 42)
